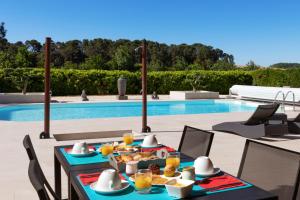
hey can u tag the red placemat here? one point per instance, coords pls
(87, 179)
(169, 149)
(220, 183)
(68, 149)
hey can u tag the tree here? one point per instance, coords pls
(251, 66)
(23, 58)
(3, 40)
(123, 58)
(72, 51)
(223, 65)
(33, 46)
(2, 31)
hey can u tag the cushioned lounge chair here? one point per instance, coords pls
(254, 127)
(294, 125)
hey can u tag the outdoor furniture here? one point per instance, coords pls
(277, 125)
(294, 125)
(272, 168)
(38, 182)
(79, 191)
(39, 178)
(195, 142)
(74, 166)
(254, 127)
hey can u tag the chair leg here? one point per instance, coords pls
(57, 177)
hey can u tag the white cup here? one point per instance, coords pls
(131, 167)
(109, 180)
(203, 165)
(80, 148)
(150, 141)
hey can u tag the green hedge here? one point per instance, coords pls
(276, 77)
(71, 82)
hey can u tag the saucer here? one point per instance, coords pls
(124, 186)
(215, 172)
(154, 146)
(90, 153)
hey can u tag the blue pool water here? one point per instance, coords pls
(63, 111)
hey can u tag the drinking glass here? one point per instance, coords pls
(128, 138)
(107, 149)
(143, 180)
(173, 159)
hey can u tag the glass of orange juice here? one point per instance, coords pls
(173, 159)
(107, 149)
(143, 180)
(128, 138)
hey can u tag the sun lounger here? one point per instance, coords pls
(294, 125)
(254, 127)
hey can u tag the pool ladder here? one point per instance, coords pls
(284, 96)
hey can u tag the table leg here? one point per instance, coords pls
(72, 192)
(57, 176)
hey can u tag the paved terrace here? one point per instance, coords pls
(226, 149)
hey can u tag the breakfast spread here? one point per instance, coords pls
(169, 171)
(154, 168)
(140, 156)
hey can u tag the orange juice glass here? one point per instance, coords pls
(128, 138)
(143, 180)
(107, 149)
(173, 159)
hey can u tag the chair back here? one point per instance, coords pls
(195, 142)
(262, 114)
(271, 168)
(29, 148)
(37, 180)
(32, 157)
(297, 119)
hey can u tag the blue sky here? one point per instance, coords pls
(266, 31)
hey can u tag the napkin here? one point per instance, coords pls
(169, 149)
(69, 149)
(87, 179)
(220, 183)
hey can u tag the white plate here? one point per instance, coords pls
(158, 145)
(124, 186)
(91, 152)
(215, 172)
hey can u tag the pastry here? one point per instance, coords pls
(169, 171)
(154, 168)
(126, 158)
(137, 157)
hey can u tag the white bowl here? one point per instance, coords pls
(179, 192)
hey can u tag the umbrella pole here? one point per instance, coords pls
(46, 133)
(145, 128)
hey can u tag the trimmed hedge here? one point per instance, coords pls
(276, 77)
(71, 82)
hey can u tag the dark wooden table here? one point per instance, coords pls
(61, 162)
(251, 193)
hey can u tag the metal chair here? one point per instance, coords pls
(36, 179)
(271, 168)
(195, 142)
(35, 172)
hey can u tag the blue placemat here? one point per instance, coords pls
(96, 158)
(157, 192)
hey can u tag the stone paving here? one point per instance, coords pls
(226, 149)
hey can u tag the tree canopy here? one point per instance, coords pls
(286, 65)
(110, 55)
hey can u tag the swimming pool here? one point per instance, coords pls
(64, 111)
